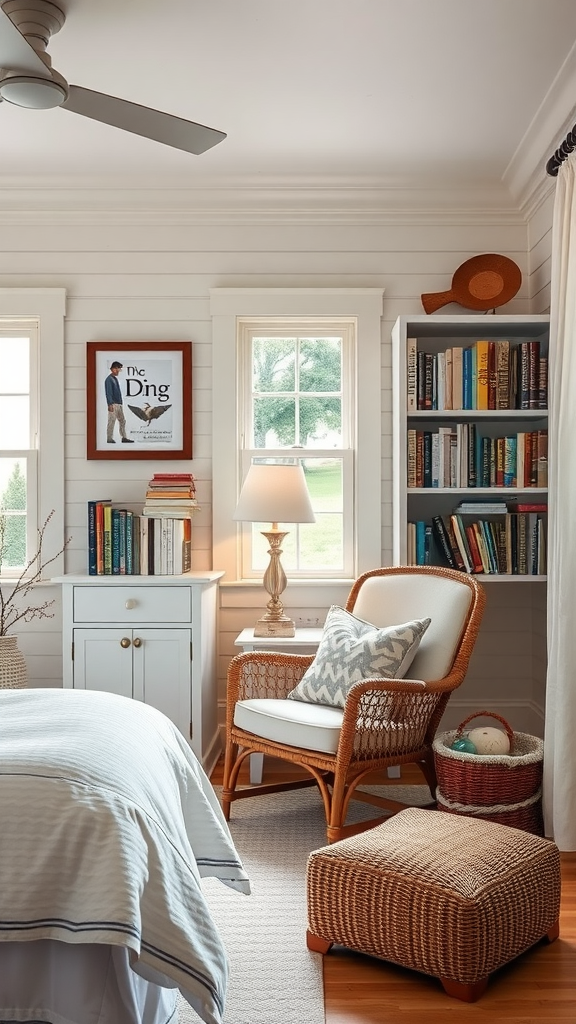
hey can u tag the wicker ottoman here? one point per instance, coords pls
(450, 896)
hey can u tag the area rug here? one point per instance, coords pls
(274, 978)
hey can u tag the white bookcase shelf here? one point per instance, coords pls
(437, 334)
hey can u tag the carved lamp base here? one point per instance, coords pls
(280, 627)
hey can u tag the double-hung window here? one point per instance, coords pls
(18, 441)
(297, 378)
(31, 423)
(297, 405)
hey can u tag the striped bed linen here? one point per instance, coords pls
(107, 824)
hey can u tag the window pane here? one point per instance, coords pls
(320, 421)
(14, 365)
(15, 422)
(324, 480)
(13, 513)
(274, 364)
(321, 364)
(311, 546)
(274, 422)
(322, 543)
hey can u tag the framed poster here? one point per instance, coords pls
(139, 399)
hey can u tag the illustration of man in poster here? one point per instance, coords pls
(114, 402)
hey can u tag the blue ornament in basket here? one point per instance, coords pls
(464, 745)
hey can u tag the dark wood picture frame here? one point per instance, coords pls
(154, 378)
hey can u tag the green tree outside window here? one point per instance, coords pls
(13, 506)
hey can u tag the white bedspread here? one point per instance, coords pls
(107, 822)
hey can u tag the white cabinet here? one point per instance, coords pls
(424, 351)
(149, 638)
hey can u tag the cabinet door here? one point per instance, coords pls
(162, 672)
(101, 662)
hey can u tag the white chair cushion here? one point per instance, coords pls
(385, 600)
(313, 726)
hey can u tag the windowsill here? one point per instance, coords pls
(245, 584)
(11, 581)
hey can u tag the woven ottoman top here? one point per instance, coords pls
(461, 855)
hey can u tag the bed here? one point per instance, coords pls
(107, 826)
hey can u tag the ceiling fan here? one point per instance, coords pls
(28, 80)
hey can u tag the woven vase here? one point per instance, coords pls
(13, 674)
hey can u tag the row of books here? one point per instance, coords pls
(459, 456)
(485, 375)
(123, 543)
(172, 495)
(511, 544)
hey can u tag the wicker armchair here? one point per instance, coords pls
(384, 722)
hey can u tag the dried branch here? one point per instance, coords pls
(10, 607)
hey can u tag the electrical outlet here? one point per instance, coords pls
(309, 621)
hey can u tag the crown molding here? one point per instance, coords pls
(248, 201)
(525, 177)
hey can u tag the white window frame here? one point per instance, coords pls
(44, 308)
(344, 327)
(231, 306)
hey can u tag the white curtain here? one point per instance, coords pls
(560, 728)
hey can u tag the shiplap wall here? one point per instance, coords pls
(149, 280)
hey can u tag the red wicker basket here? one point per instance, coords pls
(506, 788)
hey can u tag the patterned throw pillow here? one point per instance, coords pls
(351, 650)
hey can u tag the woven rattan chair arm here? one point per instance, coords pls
(386, 716)
(381, 693)
(264, 674)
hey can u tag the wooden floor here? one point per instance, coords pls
(537, 988)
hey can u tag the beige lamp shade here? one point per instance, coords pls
(274, 494)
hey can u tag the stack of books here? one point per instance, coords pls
(171, 495)
(166, 524)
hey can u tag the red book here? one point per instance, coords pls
(477, 563)
(492, 376)
(529, 506)
(181, 478)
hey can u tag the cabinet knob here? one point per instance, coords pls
(124, 642)
(130, 603)
(137, 642)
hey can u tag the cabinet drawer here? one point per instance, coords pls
(132, 604)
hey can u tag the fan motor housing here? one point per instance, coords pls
(37, 20)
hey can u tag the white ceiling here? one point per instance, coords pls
(358, 89)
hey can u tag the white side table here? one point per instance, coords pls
(304, 642)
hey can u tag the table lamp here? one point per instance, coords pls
(274, 493)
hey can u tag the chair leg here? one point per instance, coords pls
(468, 993)
(316, 944)
(228, 786)
(337, 812)
(428, 770)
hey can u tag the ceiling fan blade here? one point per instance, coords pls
(16, 54)
(152, 124)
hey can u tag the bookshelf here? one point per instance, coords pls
(445, 456)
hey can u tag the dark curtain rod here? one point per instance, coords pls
(561, 153)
